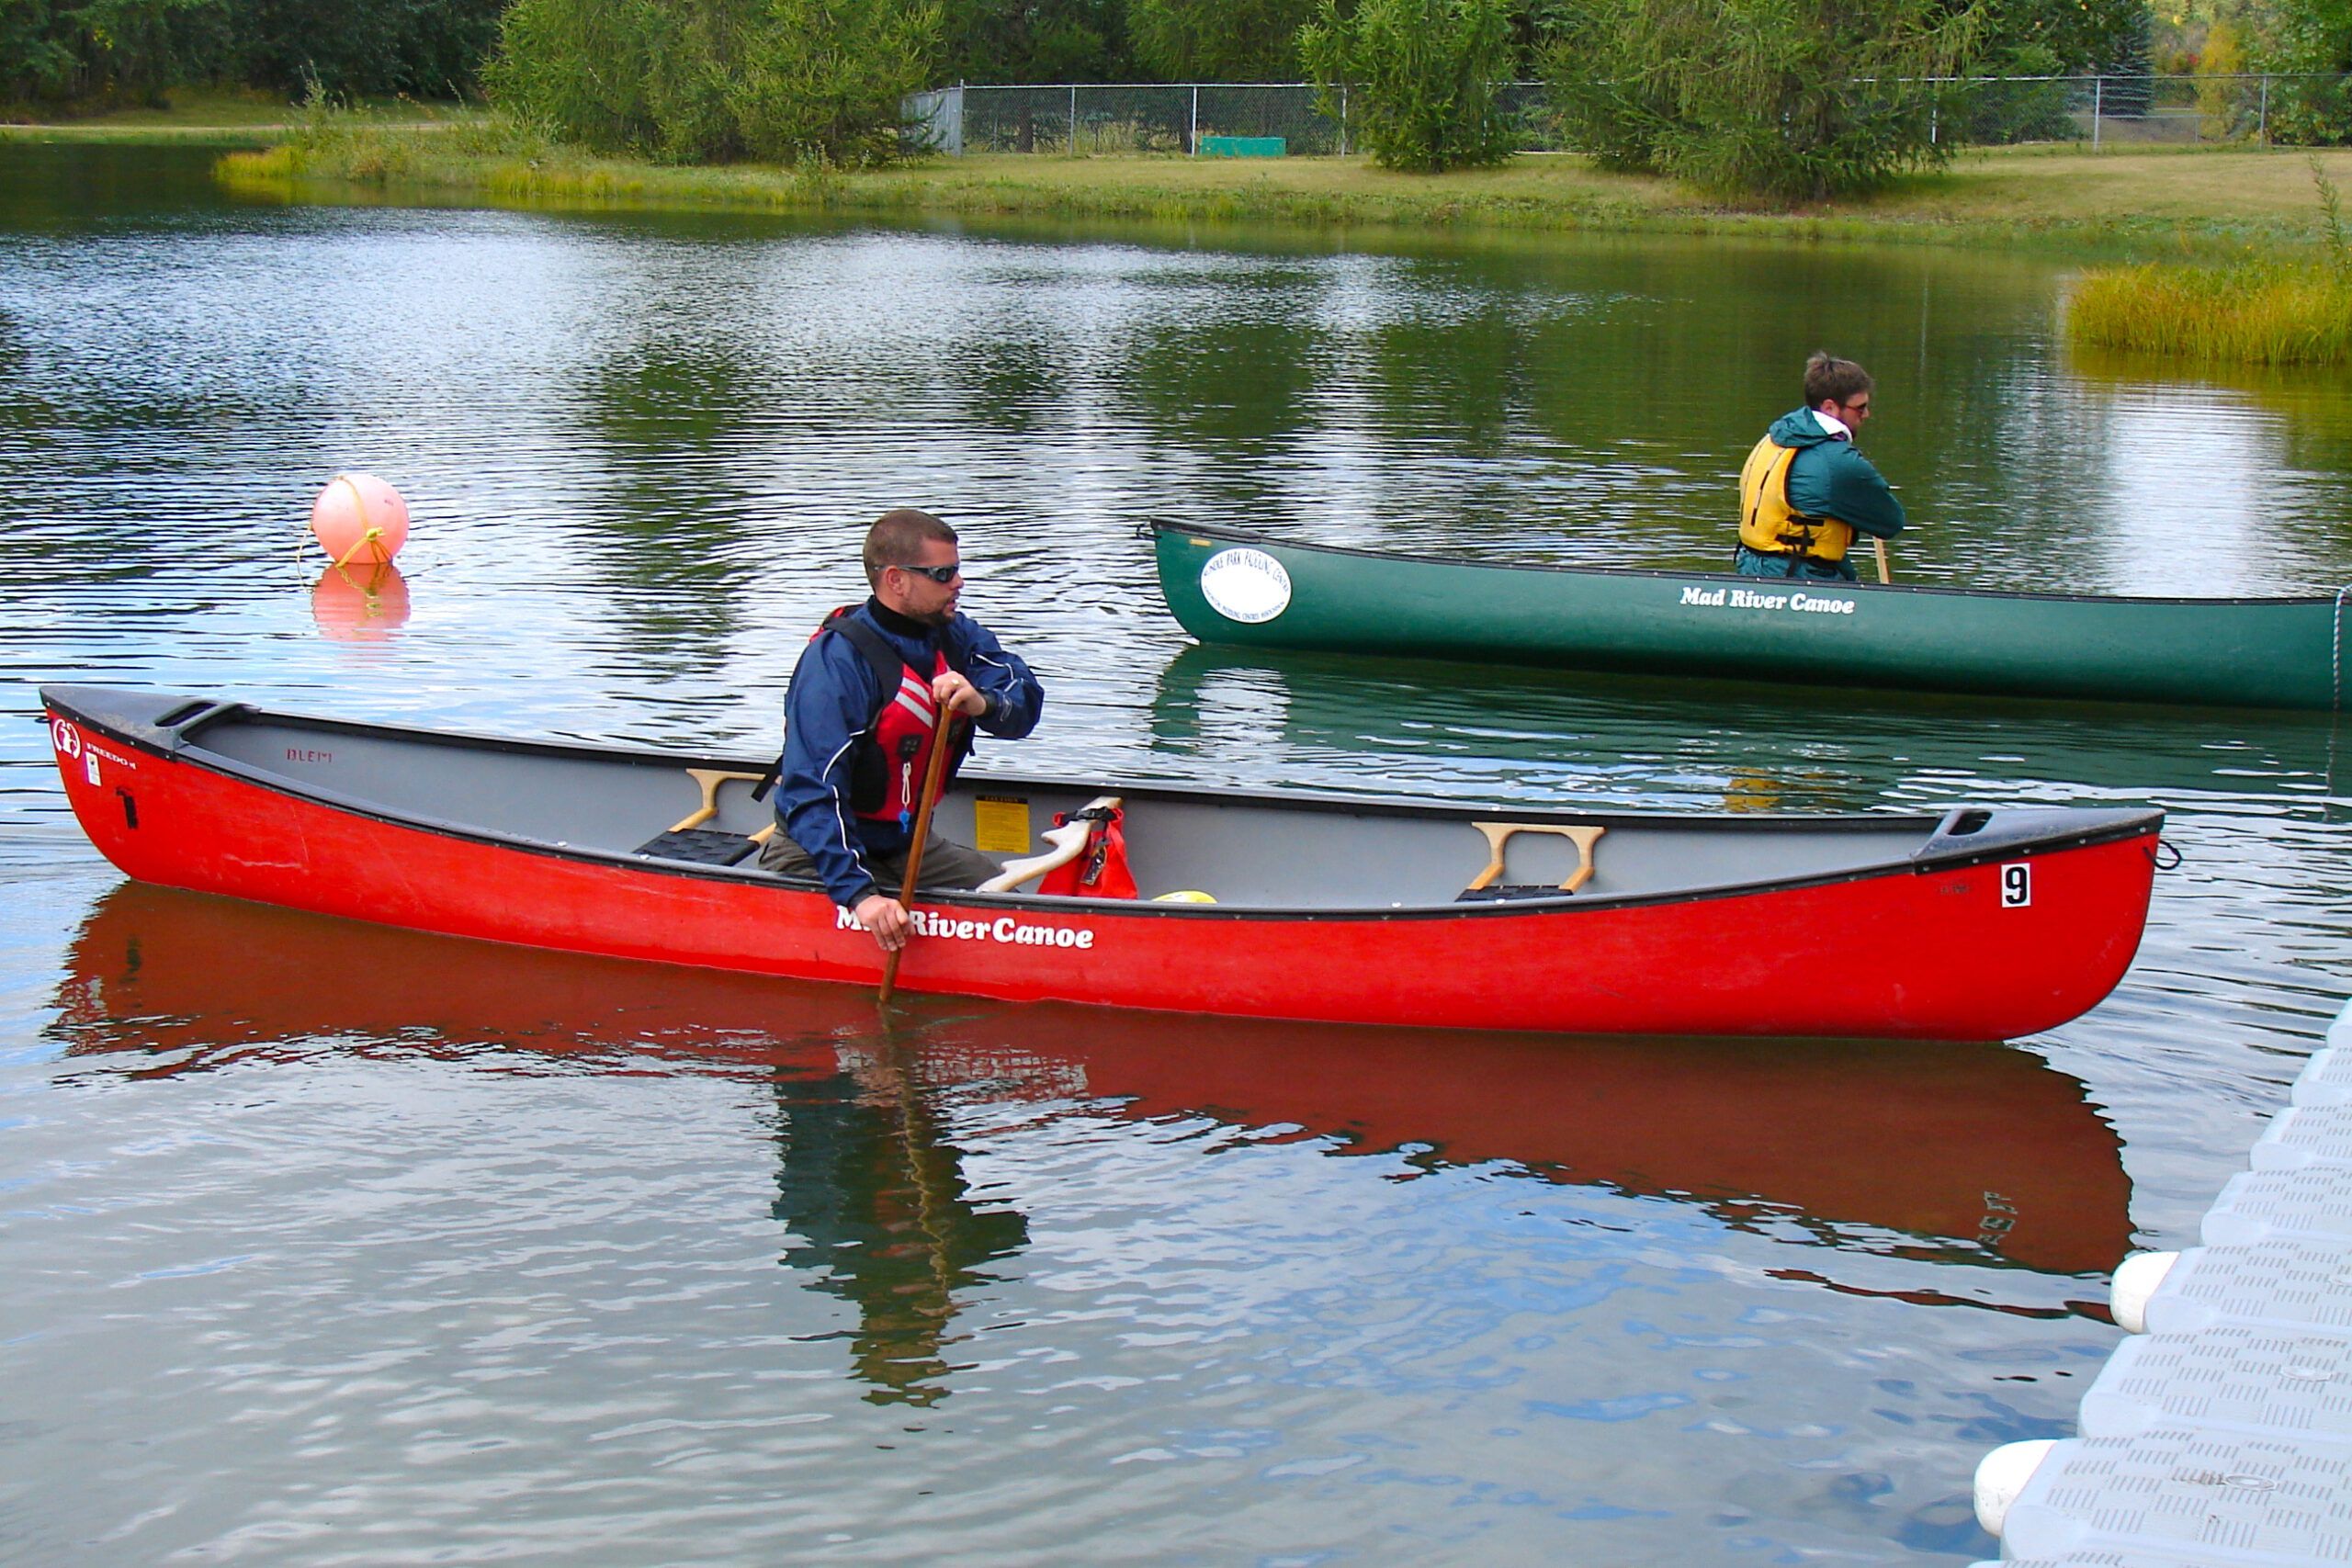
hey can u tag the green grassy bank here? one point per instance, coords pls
(201, 116)
(2147, 201)
(2140, 203)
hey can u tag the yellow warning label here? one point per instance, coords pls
(1000, 826)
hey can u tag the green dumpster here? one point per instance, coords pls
(1242, 146)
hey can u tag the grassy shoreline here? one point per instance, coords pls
(2133, 204)
(2140, 203)
(224, 117)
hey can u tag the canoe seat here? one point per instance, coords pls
(690, 840)
(1487, 884)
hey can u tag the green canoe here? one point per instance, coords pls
(1228, 586)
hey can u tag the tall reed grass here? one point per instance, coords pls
(2256, 312)
(2259, 311)
(332, 142)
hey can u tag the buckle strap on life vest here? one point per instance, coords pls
(880, 657)
(1770, 525)
(1101, 871)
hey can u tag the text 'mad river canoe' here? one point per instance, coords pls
(1968, 923)
(1227, 586)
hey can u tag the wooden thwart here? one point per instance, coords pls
(710, 779)
(1066, 843)
(1499, 833)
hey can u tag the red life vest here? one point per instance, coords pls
(888, 762)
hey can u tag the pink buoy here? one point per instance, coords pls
(359, 603)
(360, 520)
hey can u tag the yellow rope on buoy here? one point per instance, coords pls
(368, 531)
(356, 545)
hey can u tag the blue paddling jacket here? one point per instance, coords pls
(831, 711)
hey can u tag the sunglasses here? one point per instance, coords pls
(943, 575)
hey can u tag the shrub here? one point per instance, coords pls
(1790, 100)
(693, 81)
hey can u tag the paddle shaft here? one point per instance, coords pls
(933, 773)
(1885, 572)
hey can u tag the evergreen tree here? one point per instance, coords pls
(1421, 77)
(1219, 40)
(1001, 42)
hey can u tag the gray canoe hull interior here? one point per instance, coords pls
(1283, 852)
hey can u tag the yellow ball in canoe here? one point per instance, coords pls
(1188, 896)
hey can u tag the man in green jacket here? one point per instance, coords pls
(1805, 492)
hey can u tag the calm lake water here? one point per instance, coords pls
(329, 1244)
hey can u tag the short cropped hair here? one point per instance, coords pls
(1828, 378)
(898, 537)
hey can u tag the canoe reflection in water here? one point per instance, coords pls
(1684, 744)
(1969, 1154)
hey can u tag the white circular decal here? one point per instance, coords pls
(69, 739)
(1245, 585)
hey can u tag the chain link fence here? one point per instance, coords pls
(2181, 110)
(1204, 117)
(1227, 119)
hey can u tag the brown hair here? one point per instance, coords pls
(898, 537)
(1828, 378)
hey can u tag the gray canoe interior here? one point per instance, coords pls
(1237, 850)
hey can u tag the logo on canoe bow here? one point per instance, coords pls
(1245, 585)
(68, 738)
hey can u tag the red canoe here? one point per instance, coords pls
(1964, 924)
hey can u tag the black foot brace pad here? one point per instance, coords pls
(703, 846)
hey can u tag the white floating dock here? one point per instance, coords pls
(2220, 1433)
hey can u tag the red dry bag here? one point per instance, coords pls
(1099, 870)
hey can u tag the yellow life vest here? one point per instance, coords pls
(1766, 522)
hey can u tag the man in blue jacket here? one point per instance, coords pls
(858, 725)
(1805, 492)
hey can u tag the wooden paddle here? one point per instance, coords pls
(1885, 573)
(935, 771)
